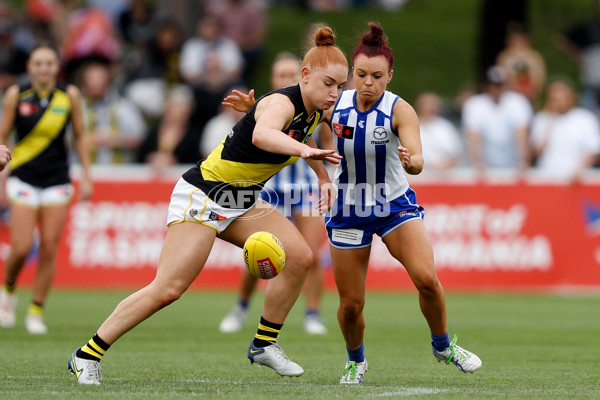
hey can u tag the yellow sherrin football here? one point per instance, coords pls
(264, 255)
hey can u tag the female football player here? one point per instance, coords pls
(39, 188)
(377, 133)
(291, 191)
(218, 197)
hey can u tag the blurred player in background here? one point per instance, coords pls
(219, 197)
(296, 185)
(39, 188)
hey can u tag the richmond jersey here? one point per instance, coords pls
(370, 172)
(234, 173)
(40, 156)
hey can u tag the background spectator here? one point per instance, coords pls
(218, 127)
(582, 42)
(209, 37)
(524, 65)
(151, 81)
(89, 37)
(441, 142)
(115, 125)
(246, 24)
(565, 138)
(496, 124)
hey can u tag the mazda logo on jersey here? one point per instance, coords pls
(379, 133)
(343, 131)
(380, 136)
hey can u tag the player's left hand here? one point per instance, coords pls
(85, 189)
(5, 156)
(405, 157)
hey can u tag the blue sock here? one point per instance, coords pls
(243, 303)
(312, 311)
(357, 355)
(440, 342)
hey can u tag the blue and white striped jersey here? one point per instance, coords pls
(371, 172)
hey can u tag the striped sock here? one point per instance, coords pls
(35, 309)
(10, 287)
(94, 349)
(267, 333)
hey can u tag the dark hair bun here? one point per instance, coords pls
(324, 37)
(375, 37)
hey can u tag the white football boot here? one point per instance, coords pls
(34, 323)
(313, 325)
(463, 359)
(234, 320)
(8, 307)
(354, 372)
(88, 372)
(273, 357)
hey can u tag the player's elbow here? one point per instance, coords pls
(258, 138)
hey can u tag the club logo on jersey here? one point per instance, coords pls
(380, 135)
(294, 134)
(343, 131)
(27, 109)
(213, 216)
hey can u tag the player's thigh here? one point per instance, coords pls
(52, 222)
(264, 217)
(410, 245)
(184, 253)
(23, 220)
(312, 228)
(350, 271)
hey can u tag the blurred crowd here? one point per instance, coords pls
(153, 75)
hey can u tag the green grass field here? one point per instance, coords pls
(532, 347)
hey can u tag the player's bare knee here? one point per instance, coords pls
(429, 287)
(21, 251)
(351, 309)
(169, 294)
(48, 250)
(303, 260)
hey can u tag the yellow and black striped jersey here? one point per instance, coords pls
(40, 155)
(233, 174)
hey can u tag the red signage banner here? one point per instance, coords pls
(486, 236)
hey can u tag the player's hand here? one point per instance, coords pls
(85, 188)
(327, 199)
(321, 154)
(160, 160)
(239, 101)
(405, 157)
(5, 156)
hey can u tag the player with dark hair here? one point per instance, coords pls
(219, 198)
(39, 189)
(377, 133)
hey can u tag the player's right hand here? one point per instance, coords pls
(239, 101)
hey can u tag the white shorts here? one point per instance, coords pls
(23, 193)
(190, 204)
